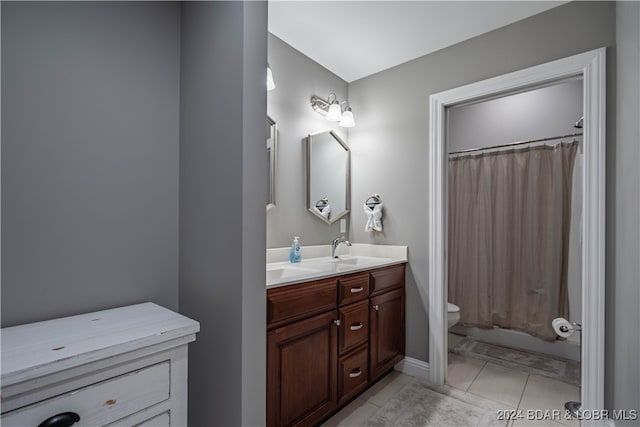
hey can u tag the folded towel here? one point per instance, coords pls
(374, 217)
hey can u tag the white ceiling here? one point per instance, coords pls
(355, 39)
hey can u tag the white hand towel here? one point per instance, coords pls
(374, 217)
(325, 211)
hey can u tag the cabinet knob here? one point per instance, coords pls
(64, 419)
(376, 307)
(337, 322)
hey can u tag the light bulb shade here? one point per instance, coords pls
(270, 83)
(347, 119)
(335, 112)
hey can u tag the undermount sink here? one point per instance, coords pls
(333, 264)
(286, 271)
(352, 261)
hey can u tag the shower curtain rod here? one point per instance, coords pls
(551, 138)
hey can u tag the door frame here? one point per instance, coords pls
(591, 67)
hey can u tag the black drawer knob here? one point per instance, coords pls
(64, 419)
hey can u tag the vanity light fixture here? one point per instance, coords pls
(270, 83)
(334, 114)
(333, 111)
(347, 119)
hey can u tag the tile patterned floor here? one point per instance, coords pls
(502, 385)
(358, 412)
(528, 362)
(508, 388)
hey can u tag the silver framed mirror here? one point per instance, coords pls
(272, 149)
(328, 176)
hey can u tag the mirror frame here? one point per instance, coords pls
(310, 204)
(273, 137)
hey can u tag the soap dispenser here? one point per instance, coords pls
(295, 255)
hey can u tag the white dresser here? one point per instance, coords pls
(120, 367)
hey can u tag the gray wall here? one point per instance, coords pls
(297, 78)
(222, 219)
(90, 133)
(254, 171)
(538, 113)
(392, 123)
(623, 215)
(98, 121)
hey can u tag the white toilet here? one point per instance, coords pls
(453, 314)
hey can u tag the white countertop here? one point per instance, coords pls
(318, 264)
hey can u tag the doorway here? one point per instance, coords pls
(590, 67)
(514, 252)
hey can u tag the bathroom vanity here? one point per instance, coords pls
(328, 339)
(126, 366)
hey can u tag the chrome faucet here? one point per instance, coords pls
(336, 242)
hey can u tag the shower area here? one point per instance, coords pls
(514, 240)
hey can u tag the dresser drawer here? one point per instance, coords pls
(354, 325)
(387, 278)
(290, 303)
(353, 373)
(144, 419)
(101, 403)
(157, 421)
(352, 288)
(160, 420)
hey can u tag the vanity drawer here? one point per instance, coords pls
(353, 287)
(387, 278)
(290, 303)
(354, 325)
(101, 403)
(353, 373)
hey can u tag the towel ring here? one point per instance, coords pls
(373, 201)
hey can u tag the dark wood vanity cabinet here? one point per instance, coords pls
(386, 345)
(302, 371)
(329, 339)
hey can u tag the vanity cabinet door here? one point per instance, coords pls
(302, 360)
(386, 341)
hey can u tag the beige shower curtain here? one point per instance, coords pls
(509, 216)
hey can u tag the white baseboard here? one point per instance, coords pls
(413, 367)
